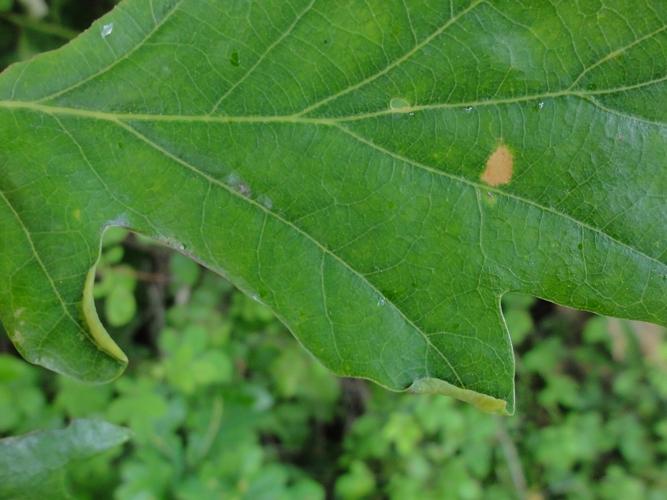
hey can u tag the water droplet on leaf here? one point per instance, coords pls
(233, 179)
(399, 104)
(107, 29)
(235, 182)
(244, 189)
(265, 201)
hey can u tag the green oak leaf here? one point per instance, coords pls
(378, 172)
(33, 465)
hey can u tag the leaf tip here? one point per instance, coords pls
(483, 402)
(99, 334)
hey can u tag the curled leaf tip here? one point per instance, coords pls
(483, 402)
(99, 334)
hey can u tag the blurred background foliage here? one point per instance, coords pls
(224, 403)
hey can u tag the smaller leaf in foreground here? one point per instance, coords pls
(33, 465)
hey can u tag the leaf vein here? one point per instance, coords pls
(299, 230)
(117, 61)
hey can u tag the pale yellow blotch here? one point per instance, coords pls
(499, 167)
(18, 312)
(486, 403)
(77, 214)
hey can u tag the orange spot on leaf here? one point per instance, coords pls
(499, 167)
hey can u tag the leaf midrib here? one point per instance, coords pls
(214, 181)
(301, 117)
(451, 21)
(121, 118)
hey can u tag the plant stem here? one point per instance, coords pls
(513, 460)
(212, 430)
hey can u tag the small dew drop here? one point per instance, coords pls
(265, 201)
(234, 181)
(18, 337)
(172, 243)
(122, 220)
(107, 29)
(399, 105)
(244, 189)
(381, 301)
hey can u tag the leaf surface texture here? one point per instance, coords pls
(379, 173)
